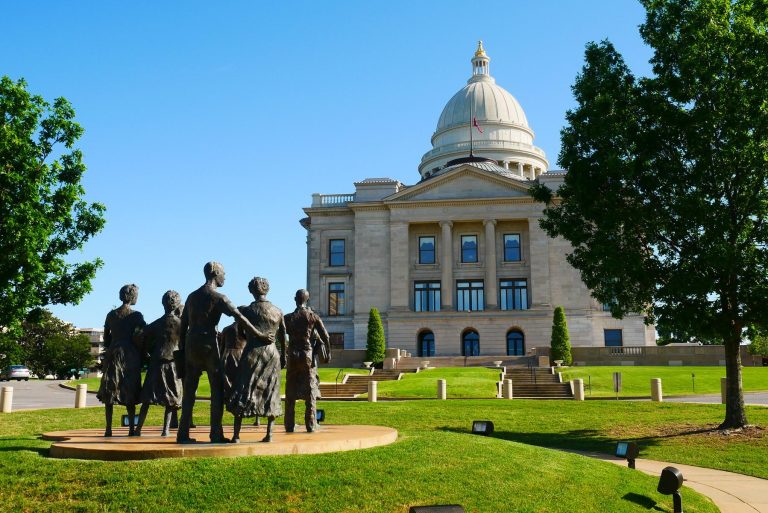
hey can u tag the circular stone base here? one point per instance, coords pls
(90, 444)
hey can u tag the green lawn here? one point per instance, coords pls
(435, 461)
(636, 381)
(462, 382)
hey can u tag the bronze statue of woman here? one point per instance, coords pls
(121, 364)
(256, 389)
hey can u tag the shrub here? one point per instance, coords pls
(561, 341)
(376, 343)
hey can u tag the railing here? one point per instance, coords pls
(506, 145)
(627, 350)
(336, 388)
(331, 200)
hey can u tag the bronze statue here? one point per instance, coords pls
(301, 380)
(232, 342)
(162, 384)
(256, 389)
(121, 364)
(199, 349)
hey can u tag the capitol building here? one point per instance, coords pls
(456, 263)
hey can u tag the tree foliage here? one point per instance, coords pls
(666, 197)
(376, 343)
(44, 217)
(759, 346)
(561, 340)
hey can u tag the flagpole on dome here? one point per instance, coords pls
(471, 117)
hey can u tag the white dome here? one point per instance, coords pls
(501, 132)
(491, 103)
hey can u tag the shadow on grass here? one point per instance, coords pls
(41, 451)
(642, 500)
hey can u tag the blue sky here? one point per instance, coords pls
(210, 124)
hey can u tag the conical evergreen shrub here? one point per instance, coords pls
(376, 343)
(561, 341)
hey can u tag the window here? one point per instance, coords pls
(470, 343)
(337, 340)
(511, 247)
(613, 338)
(515, 343)
(336, 252)
(426, 250)
(336, 303)
(469, 248)
(426, 343)
(426, 296)
(469, 296)
(513, 295)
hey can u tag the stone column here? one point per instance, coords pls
(442, 390)
(507, 390)
(519, 168)
(80, 395)
(6, 400)
(656, 395)
(491, 297)
(539, 293)
(373, 391)
(399, 284)
(578, 389)
(446, 266)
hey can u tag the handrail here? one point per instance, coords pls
(336, 388)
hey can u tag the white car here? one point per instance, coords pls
(17, 372)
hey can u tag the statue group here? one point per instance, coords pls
(243, 362)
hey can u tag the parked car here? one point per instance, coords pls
(17, 372)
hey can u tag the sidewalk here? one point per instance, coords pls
(732, 493)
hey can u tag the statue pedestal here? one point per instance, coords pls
(90, 444)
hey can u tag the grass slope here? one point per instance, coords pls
(462, 382)
(434, 461)
(636, 381)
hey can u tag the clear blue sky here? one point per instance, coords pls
(210, 124)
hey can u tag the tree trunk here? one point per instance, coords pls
(735, 416)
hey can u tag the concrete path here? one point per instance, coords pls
(37, 394)
(751, 398)
(732, 493)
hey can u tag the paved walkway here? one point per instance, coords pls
(732, 493)
(37, 394)
(751, 398)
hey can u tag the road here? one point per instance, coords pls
(36, 394)
(753, 398)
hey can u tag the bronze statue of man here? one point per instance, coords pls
(162, 385)
(200, 347)
(301, 380)
(121, 364)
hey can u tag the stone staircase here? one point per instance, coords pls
(356, 384)
(537, 383)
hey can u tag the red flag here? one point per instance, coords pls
(474, 124)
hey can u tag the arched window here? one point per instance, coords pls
(515, 343)
(470, 343)
(426, 343)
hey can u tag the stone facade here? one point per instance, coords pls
(432, 257)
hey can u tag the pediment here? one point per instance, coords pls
(465, 182)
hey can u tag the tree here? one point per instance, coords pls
(375, 343)
(665, 201)
(561, 340)
(44, 217)
(37, 332)
(67, 353)
(759, 346)
(10, 352)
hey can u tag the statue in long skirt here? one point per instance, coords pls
(232, 341)
(163, 385)
(121, 364)
(256, 390)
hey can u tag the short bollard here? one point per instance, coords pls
(373, 389)
(442, 389)
(80, 394)
(507, 389)
(723, 389)
(6, 400)
(656, 392)
(578, 389)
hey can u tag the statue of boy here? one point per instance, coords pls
(162, 385)
(256, 389)
(121, 364)
(301, 380)
(199, 344)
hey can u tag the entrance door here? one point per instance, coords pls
(470, 343)
(515, 343)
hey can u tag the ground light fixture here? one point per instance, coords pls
(628, 450)
(669, 484)
(450, 508)
(124, 420)
(482, 427)
(320, 416)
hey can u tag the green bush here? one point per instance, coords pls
(561, 341)
(376, 343)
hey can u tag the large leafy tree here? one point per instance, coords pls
(44, 217)
(39, 333)
(666, 197)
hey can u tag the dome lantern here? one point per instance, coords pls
(480, 63)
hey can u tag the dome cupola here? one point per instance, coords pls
(485, 120)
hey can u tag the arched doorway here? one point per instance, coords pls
(426, 346)
(470, 343)
(515, 343)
